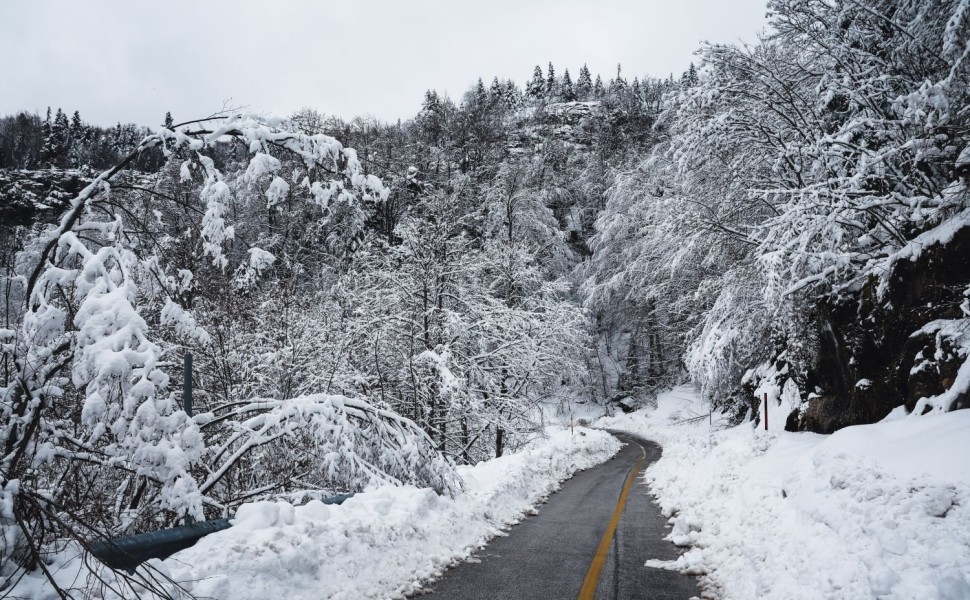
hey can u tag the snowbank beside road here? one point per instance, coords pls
(871, 511)
(382, 543)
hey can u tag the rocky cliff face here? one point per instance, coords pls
(890, 347)
(26, 196)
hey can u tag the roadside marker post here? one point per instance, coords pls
(766, 411)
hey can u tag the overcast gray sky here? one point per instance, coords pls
(131, 60)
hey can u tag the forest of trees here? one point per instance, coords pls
(797, 189)
(29, 141)
(389, 311)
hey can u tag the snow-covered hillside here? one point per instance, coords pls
(872, 511)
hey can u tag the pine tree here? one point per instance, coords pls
(618, 86)
(25, 150)
(56, 139)
(431, 103)
(536, 88)
(584, 85)
(551, 91)
(169, 123)
(690, 78)
(77, 125)
(512, 96)
(496, 92)
(598, 90)
(60, 133)
(47, 153)
(566, 90)
(481, 94)
(77, 140)
(430, 118)
(116, 137)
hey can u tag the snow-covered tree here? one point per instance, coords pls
(536, 88)
(584, 84)
(117, 289)
(690, 78)
(566, 87)
(496, 92)
(512, 97)
(598, 90)
(800, 170)
(552, 83)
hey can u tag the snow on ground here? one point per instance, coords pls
(382, 543)
(873, 511)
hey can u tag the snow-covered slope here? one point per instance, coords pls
(873, 511)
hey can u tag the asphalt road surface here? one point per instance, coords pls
(567, 551)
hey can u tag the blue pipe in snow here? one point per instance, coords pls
(130, 551)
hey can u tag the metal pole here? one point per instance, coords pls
(187, 384)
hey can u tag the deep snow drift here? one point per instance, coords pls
(382, 543)
(873, 511)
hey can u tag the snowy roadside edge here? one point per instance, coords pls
(870, 511)
(387, 542)
(413, 534)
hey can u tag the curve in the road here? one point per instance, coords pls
(568, 549)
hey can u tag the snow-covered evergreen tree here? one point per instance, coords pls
(552, 83)
(598, 90)
(512, 96)
(496, 92)
(584, 84)
(536, 88)
(567, 92)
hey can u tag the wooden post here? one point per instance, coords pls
(766, 411)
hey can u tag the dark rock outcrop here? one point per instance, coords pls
(874, 354)
(29, 196)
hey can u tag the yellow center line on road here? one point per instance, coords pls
(588, 590)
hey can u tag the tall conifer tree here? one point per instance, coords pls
(584, 85)
(566, 88)
(551, 91)
(537, 86)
